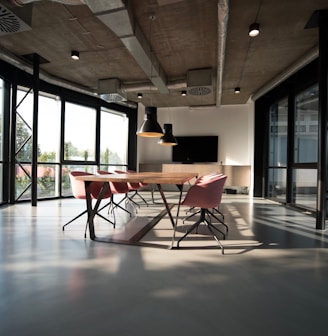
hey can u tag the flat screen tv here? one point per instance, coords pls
(192, 149)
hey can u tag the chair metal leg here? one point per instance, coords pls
(194, 226)
(130, 200)
(210, 228)
(218, 219)
(136, 193)
(117, 205)
(209, 225)
(190, 216)
(219, 212)
(78, 216)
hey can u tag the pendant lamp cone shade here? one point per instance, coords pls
(168, 138)
(150, 127)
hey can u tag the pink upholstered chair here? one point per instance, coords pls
(206, 194)
(201, 179)
(78, 191)
(116, 188)
(134, 187)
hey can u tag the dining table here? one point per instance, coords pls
(156, 178)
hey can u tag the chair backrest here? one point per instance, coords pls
(116, 187)
(78, 187)
(206, 193)
(132, 185)
(129, 171)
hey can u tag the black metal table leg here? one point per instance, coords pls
(92, 211)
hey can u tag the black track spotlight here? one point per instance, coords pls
(183, 93)
(139, 95)
(75, 55)
(254, 29)
(237, 90)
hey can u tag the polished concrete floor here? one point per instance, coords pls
(272, 279)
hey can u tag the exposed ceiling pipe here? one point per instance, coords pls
(223, 16)
(178, 84)
(306, 59)
(117, 16)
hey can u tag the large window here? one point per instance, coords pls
(48, 145)
(70, 131)
(293, 180)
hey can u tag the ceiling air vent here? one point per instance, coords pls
(109, 90)
(199, 82)
(200, 91)
(11, 23)
(112, 97)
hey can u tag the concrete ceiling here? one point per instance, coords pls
(161, 47)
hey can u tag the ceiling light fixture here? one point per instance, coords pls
(150, 127)
(237, 89)
(254, 29)
(139, 95)
(168, 138)
(75, 55)
(183, 93)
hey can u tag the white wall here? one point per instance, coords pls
(234, 125)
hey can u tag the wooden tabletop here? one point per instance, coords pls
(144, 177)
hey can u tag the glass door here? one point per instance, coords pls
(277, 170)
(306, 148)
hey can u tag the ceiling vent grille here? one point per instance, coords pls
(200, 91)
(112, 97)
(109, 90)
(199, 82)
(10, 22)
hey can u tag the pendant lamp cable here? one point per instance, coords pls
(249, 46)
(152, 17)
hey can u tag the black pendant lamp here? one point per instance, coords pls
(168, 138)
(150, 127)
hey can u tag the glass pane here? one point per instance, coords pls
(23, 181)
(306, 126)
(278, 134)
(49, 129)
(24, 123)
(277, 183)
(1, 119)
(113, 138)
(47, 181)
(1, 182)
(66, 185)
(112, 168)
(305, 187)
(1, 136)
(80, 133)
